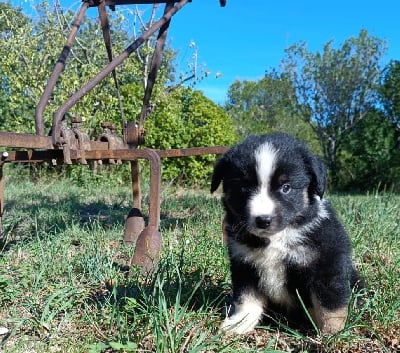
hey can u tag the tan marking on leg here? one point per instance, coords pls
(311, 311)
(328, 321)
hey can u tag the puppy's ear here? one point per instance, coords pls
(318, 175)
(218, 174)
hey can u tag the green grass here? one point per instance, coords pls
(64, 285)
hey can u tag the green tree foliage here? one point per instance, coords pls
(186, 118)
(27, 56)
(370, 158)
(390, 91)
(8, 14)
(267, 105)
(335, 88)
(12, 23)
(30, 49)
(370, 155)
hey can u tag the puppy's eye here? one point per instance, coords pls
(286, 188)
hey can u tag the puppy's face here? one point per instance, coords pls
(268, 183)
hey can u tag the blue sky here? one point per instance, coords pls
(245, 38)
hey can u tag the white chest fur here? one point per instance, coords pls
(270, 262)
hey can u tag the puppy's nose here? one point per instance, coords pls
(263, 222)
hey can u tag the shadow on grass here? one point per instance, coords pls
(168, 287)
(34, 214)
(25, 220)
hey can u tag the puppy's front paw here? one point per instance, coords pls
(248, 310)
(240, 324)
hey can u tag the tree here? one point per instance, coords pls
(10, 18)
(390, 91)
(29, 50)
(369, 158)
(266, 105)
(27, 56)
(335, 88)
(12, 21)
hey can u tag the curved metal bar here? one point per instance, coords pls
(149, 241)
(155, 180)
(58, 115)
(155, 65)
(105, 26)
(136, 191)
(131, 155)
(58, 68)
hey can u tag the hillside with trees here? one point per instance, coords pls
(341, 100)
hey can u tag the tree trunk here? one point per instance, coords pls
(331, 161)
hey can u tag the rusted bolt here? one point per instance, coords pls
(107, 125)
(76, 120)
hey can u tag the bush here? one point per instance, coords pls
(185, 118)
(369, 158)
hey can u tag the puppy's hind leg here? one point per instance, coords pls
(247, 313)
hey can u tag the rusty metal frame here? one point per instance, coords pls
(73, 146)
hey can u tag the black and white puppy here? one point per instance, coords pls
(284, 240)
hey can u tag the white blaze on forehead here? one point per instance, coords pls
(261, 203)
(265, 163)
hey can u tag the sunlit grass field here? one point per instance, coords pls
(64, 284)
